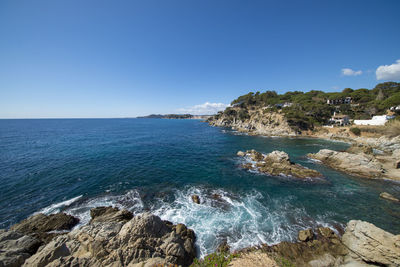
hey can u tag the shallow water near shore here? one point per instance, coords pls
(156, 165)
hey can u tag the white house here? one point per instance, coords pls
(376, 120)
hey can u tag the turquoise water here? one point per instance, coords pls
(155, 165)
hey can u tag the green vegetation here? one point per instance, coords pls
(282, 262)
(217, 259)
(355, 130)
(304, 111)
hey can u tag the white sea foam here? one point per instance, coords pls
(54, 208)
(240, 220)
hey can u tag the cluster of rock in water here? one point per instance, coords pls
(115, 237)
(276, 163)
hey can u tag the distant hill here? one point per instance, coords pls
(176, 116)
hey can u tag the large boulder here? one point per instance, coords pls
(144, 240)
(45, 227)
(15, 248)
(356, 164)
(370, 244)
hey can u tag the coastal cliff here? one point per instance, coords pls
(115, 237)
(254, 121)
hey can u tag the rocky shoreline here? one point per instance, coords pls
(369, 157)
(117, 238)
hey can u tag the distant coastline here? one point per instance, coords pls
(176, 116)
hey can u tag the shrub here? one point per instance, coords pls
(214, 260)
(355, 130)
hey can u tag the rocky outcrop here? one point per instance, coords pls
(258, 121)
(109, 214)
(45, 227)
(277, 163)
(15, 248)
(196, 199)
(368, 244)
(111, 239)
(356, 164)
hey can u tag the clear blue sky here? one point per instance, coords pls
(126, 58)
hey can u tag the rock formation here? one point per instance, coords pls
(355, 164)
(15, 248)
(112, 239)
(369, 244)
(45, 227)
(388, 196)
(258, 122)
(277, 163)
(196, 199)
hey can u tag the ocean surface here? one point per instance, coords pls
(155, 165)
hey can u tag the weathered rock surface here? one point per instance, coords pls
(316, 250)
(388, 196)
(42, 226)
(305, 235)
(370, 244)
(104, 214)
(259, 121)
(356, 164)
(110, 239)
(277, 163)
(15, 248)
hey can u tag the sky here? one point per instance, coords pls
(106, 59)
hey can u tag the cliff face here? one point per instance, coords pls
(258, 121)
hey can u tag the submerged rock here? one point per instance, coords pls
(356, 164)
(370, 244)
(388, 196)
(277, 163)
(144, 240)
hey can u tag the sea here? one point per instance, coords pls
(156, 165)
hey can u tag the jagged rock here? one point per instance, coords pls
(356, 164)
(255, 155)
(241, 154)
(388, 196)
(101, 214)
(15, 248)
(259, 122)
(223, 247)
(277, 163)
(327, 232)
(144, 240)
(370, 244)
(41, 226)
(305, 235)
(317, 251)
(196, 199)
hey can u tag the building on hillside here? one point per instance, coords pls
(339, 119)
(376, 120)
(395, 108)
(339, 101)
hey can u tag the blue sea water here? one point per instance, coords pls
(155, 165)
